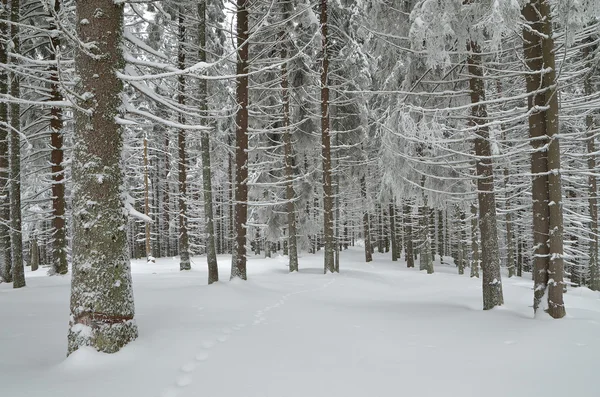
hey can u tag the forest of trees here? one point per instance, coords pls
(460, 129)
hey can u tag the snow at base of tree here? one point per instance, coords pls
(376, 329)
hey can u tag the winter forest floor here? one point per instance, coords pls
(376, 329)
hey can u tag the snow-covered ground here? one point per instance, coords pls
(375, 329)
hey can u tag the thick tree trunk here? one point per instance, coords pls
(238, 266)
(545, 159)
(102, 307)
(5, 256)
(16, 237)
(211, 252)
(490, 255)
(59, 249)
(184, 249)
(329, 263)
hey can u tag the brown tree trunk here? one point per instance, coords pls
(102, 306)
(366, 226)
(184, 253)
(490, 255)
(211, 252)
(238, 267)
(409, 256)
(591, 125)
(393, 232)
(5, 254)
(59, 251)
(290, 194)
(475, 261)
(545, 159)
(16, 237)
(329, 264)
(147, 203)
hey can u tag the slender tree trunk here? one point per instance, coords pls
(490, 255)
(545, 163)
(440, 235)
(475, 262)
(510, 249)
(166, 200)
(211, 252)
(238, 267)
(395, 254)
(59, 251)
(184, 249)
(35, 254)
(462, 257)
(147, 202)
(591, 125)
(366, 227)
(102, 307)
(16, 237)
(409, 256)
(5, 250)
(425, 260)
(329, 264)
(290, 194)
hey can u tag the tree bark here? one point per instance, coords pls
(35, 255)
(545, 159)
(592, 126)
(366, 226)
(211, 252)
(290, 194)
(395, 254)
(329, 263)
(147, 203)
(490, 255)
(184, 249)
(475, 261)
(238, 267)
(59, 246)
(409, 255)
(102, 308)
(16, 237)
(5, 250)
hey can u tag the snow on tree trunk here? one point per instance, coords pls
(366, 226)
(393, 232)
(211, 253)
(184, 249)
(545, 159)
(490, 255)
(409, 256)
(591, 126)
(16, 237)
(59, 246)
(5, 256)
(238, 265)
(102, 307)
(148, 247)
(474, 243)
(329, 264)
(290, 194)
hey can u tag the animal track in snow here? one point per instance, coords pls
(185, 376)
